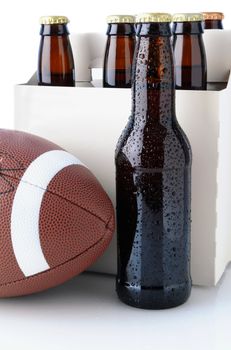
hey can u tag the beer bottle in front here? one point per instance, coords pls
(119, 51)
(213, 20)
(55, 61)
(153, 180)
(189, 51)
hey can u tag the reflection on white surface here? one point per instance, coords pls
(86, 314)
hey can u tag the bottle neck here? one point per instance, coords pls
(213, 24)
(121, 29)
(153, 77)
(180, 28)
(54, 29)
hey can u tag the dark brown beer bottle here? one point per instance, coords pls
(213, 20)
(153, 180)
(119, 51)
(189, 52)
(55, 61)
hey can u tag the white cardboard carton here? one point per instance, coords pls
(88, 121)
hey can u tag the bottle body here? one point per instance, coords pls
(119, 55)
(55, 61)
(153, 185)
(189, 55)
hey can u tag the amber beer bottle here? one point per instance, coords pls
(213, 20)
(119, 51)
(189, 51)
(153, 180)
(55, 61)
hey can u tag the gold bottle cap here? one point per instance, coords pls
(120, 19)
(53, 20)
(153, 17)
(187, 17)
(213, 15)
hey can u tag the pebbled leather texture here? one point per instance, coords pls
(76, 219)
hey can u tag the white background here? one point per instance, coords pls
(85, 313)
(20, 31)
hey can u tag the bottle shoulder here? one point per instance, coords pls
(162, 147)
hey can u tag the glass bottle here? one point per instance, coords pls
(189, 51)
(153, 180)
(213, 20)
(119, 51)
(55, 59)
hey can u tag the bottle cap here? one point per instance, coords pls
(53, 20)
(213, 15)
(120, 19)
(153, 17)
(187, 17)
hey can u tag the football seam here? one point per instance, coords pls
(66, 262)
(58, 195)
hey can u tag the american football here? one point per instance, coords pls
(55, 217)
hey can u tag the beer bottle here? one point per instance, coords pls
(119, 51)
(189, 52)
(213, 20)
(55, 61)
(153, 180)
